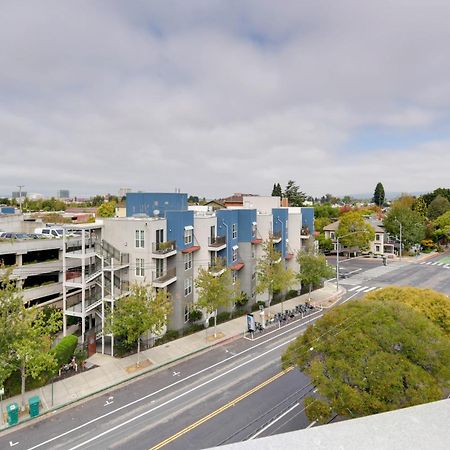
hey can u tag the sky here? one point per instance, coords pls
(215, 97)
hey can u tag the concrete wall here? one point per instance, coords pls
(261, 203)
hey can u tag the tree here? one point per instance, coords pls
(293, 194)
(276, 191)
(353, 231)
(143, 310)
(215, 289)
(420, 206)
(378, 195)
(428, 198)
(272, 275)
(437, 207)
(107, 209)
(413, 228)
(313, 269)
(317, 410)
(441, 225)
(373, 356)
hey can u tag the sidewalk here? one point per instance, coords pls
(113, 371)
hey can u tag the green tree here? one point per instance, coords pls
(413, 227)
(441, 226)
(378, 195)
(373, 356)
(428, 198)
(437, 207)
(272, 274)
(325, 245)
(353, 231)
(293, 194)
(313, 269)
(276, 191)
(143, 310)
(107, 209)
(317, 410)
(420, 206)
(215, 289)
(96, 201)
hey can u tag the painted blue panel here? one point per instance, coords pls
(246, 217)
(176, 221)
(148, 202)
(280, 223)
(226, 218)
(7, 210)
(308, 218)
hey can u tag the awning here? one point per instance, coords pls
(237, 266)
(191, 249)
(188, 227)
(256, 241)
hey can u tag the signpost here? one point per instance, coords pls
(2, 392)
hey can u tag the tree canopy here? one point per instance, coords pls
(293, 194)
(277, 191)
(107, 209)
(437, 207)
(353, 231)
(378, 195)
(313, 269)
(371, 356)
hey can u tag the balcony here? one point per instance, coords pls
(304, 233)
(165, 249)
(275, 237)
(216, 269)
(163, 279)
(217, 243)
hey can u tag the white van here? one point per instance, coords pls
(50, 232)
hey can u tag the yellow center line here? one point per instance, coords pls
(219, 410)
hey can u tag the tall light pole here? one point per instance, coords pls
(337, 253)
(401, 228)
(20, 186)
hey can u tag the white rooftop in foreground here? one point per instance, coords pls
(419, 427)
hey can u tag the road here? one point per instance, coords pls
(233, 392)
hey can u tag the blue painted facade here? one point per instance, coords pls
(246, 217)
(148, 202)
(308, 218)
(7, 210)
(176, 221)
(226, 218)
(280, 223)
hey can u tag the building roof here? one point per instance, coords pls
(376, 225)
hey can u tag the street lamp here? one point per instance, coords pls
(337, 253)
(401, 228)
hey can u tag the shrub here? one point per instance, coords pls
(291, 294)
(255, 307)
(195, 315)
(65, 349)
(193, 329)
(170, 335)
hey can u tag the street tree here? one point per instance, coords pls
(107, 209)
(372, 356)
(420, 206)
(437, 207)
(441, 226)
(293, 194)
(413, 225)
(144, 310)
(215, 289)
(378, 195)
(353, 231)
(313, 269)
(271, 272)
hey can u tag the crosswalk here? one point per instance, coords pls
(435, 263)
(364, 289)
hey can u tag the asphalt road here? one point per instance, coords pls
(235, 391)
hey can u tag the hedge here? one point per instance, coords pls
(65, 349)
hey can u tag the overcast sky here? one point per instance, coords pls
(216, 97)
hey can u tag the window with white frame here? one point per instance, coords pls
(254, 276)
(377, 237)
(187, 261)
(253, 252)
(332, 235)
(139, 267)
(140, 241)
(254, 229)
(187, 286)
(234, 275)
(188, 236)
(235, 254)
(187, 311)
(234, 231)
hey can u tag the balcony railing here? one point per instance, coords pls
(217, 241)
(304, 231)
(162, 277)
(161, 248)
(275, 236)
(216, 268)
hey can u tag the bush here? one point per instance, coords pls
(292, 294)
(195, 315)
(193, 329)
(255, 307)
(80, 355)
(170, 335)
(65, 349)
(238, 313)
(123, 348)
(221, 317)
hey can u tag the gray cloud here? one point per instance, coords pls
(222, 96)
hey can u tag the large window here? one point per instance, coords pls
(187, 261)
(139, 267)
(235, 254)
(234, 231)
(187, 286)
(187, 311)
(140, 239)
(188, 236)
(234, 276)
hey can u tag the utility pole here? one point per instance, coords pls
(20, 186)
(401, 228)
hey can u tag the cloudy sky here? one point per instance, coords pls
(216, 97)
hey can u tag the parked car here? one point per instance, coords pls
(50, 232)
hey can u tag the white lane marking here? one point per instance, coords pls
(354, 289)
(110, 401)
(433, 263)
(371, 289)
(428, 263)
(351, 296)
(422, 263)
(362, 288)
(175, 374)
(171, 385)
(273, 422)
(440, 264)
(12, 444)
(183, 394)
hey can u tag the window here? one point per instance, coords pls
(187, 286)
(254, 230)
(139, 267)
(254, 276)
(235, 254)
(234, 275)
(188, 235)
(140, 239)
(253, 252)
(377, 248)
(159, 236)
(187, 311)
(332, 235)
(187, 261)
(234, 231)
(377, 237)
